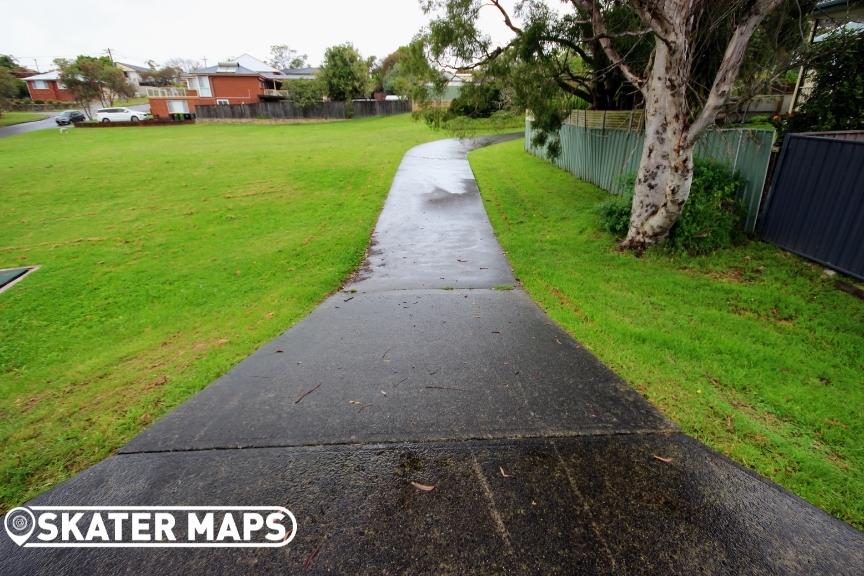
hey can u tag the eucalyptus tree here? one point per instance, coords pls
(680, 57)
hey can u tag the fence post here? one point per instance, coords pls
(737, 150)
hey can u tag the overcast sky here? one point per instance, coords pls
(164, 29)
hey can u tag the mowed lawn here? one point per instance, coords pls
(167, 255)
(751, 350)
(11, 118)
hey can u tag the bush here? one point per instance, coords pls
(476, 100)
(712, 217)
(435, 117)
(837, 99)
(615, 214)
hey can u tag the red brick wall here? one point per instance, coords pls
(50, 93)
(235, 89)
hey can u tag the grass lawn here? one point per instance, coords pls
(131, 101)
(167, 255)
(751, 350)
(12, 117)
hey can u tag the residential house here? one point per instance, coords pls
(133, 75)
(47, 86)
(243, 80)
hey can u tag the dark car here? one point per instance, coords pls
(70, 117)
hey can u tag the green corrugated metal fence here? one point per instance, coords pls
(602, 157)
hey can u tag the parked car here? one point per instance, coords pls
(120, 115)
(70, 117)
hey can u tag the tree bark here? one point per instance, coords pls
(666, 167)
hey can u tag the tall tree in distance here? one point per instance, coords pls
(8, 88)
(17, 72)
(90, 79)
(411, 74)
(684, 83)
(185, 65)
(345, 73)
(164, 76)
(283, 57)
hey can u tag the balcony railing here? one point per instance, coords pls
(275, 93)
(153, 92)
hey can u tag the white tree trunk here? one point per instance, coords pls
(666, 168)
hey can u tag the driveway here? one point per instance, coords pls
(428, 420)
(49, 121)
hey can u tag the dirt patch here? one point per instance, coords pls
(566, 302)
(737, 275)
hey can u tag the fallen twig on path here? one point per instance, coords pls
(307, 393)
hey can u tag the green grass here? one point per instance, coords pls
(167, 255)
(131, 101)
(752, 350)
(12, 117)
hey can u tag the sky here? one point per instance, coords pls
(38, 32)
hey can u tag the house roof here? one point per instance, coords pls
(244, 65)
(839, 8)
(252, 63)
(848, 27)
(309, 71)
(219, 69)
(52, 75)
(134, 67)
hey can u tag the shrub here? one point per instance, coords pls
(712, 217)
(436, 117)
(615, 214)
(476, 100)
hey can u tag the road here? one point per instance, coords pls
(26, 127)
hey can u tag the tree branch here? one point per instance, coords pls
(507, 21)
(729, 67)
(602, 36)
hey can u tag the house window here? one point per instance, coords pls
(178, 107)
(204, 87)
(222, 101)
(40, 85)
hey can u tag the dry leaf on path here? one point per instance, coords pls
(423, 487)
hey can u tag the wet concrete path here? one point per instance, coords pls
(423, 369)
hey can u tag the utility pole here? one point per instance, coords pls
(110, 57)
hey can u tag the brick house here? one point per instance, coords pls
(244, 80)
(47, 86)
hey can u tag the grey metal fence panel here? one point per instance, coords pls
(605, 157)
(816, 204)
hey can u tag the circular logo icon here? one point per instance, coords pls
(20, 523)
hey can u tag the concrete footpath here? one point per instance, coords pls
(423, 369)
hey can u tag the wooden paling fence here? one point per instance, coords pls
(619, 119)
(284, 110)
